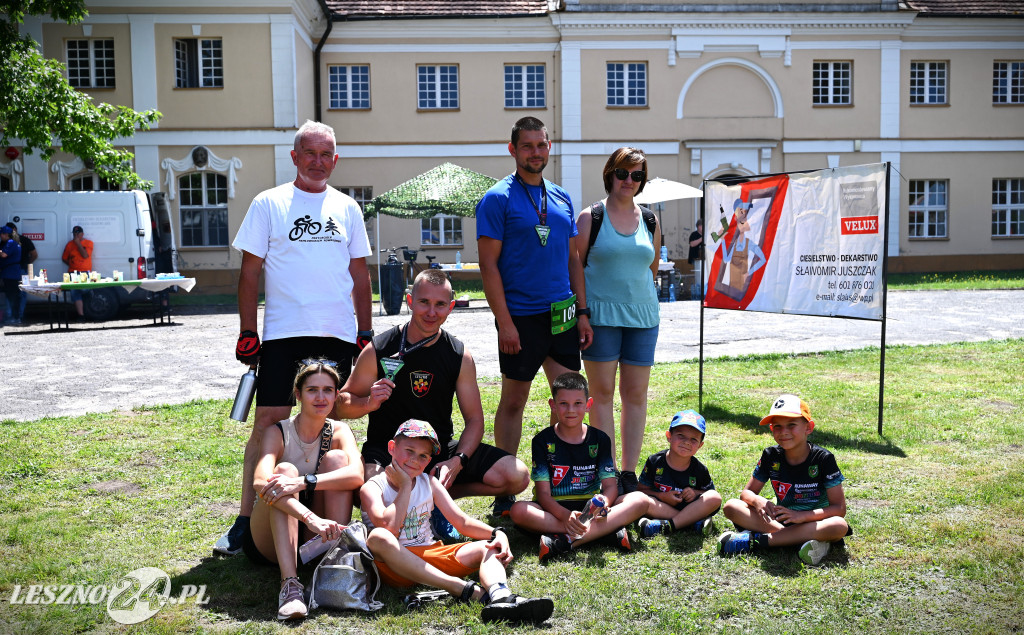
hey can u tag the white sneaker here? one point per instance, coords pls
(813, 552)
(289, 601)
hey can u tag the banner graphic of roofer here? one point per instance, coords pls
(808, 243)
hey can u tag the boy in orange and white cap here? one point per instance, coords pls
(809, 502)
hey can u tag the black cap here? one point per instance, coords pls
(77, 229)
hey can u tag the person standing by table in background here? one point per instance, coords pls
(696, 255)
(533, 281)
(28, 256)
(620, 265)
(309, 242)
(10, 272)
(78, 257)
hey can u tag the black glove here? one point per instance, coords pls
(247, 350)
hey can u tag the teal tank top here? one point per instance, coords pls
(620, 287)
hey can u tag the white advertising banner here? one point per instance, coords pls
(807, 243)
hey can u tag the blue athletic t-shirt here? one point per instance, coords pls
(575, 470)
(799, 487)
(533, 276)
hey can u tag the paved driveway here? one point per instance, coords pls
(127, 363)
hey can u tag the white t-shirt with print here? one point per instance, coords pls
(416, 529)
(306, 242)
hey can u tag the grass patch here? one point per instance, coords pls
(935, 504)
(1013, 279)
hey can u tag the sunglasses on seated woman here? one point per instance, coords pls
(622, 173)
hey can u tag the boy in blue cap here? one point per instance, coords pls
(682, 494)
(809, 501)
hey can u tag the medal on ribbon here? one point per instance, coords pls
(543, 231)
(391, 366)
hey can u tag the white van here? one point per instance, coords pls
(124, 227)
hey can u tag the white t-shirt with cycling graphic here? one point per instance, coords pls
(306, 242)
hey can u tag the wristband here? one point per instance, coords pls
(363, 338)
(494, 532)
(305, 517)
(584, 311)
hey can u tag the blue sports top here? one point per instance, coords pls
(533, 276)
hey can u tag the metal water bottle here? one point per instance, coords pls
(244, 395)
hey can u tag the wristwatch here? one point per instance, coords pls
(584, 311)
(462, 458)
(310, 482)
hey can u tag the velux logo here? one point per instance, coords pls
(860, 225)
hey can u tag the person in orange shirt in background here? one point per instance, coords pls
(78, 257)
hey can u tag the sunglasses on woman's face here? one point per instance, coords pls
(622, 173)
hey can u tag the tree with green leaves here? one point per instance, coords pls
(41, 108)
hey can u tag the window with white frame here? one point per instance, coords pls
(198, 63)
(832, 83)
(929, 209)
(441, 230)
(627, 83)
(524, 86)
(203, 207)
(361, 195)
(1008, 82)
(89, 182)
(1008, 207)
(349, 86)
(437, 87)
(90, 63)
(928, 82)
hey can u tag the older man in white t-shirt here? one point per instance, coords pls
(310, 243)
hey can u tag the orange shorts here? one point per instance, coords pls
(438, 554)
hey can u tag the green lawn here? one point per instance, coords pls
(939, 520)
(897, 281)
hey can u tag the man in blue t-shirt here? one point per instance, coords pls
(533, 280)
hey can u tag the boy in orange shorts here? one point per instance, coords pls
(396, 507)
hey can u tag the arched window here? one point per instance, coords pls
(203, 209)
(88, 182)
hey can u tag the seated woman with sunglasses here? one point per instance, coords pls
(308, 468)
(620, 263)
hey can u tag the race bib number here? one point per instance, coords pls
(563, 315)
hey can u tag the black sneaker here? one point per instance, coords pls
(502, 505)
(552, 546)
(627, 483)
(620, 539)
(516, 609)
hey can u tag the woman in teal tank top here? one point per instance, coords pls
(621, 265)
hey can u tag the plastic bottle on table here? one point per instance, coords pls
(458, 260)
(664, 253)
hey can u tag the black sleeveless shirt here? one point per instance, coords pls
(424, 386)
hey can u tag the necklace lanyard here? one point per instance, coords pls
(405, 348)
(542, 212)
(392, 365)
